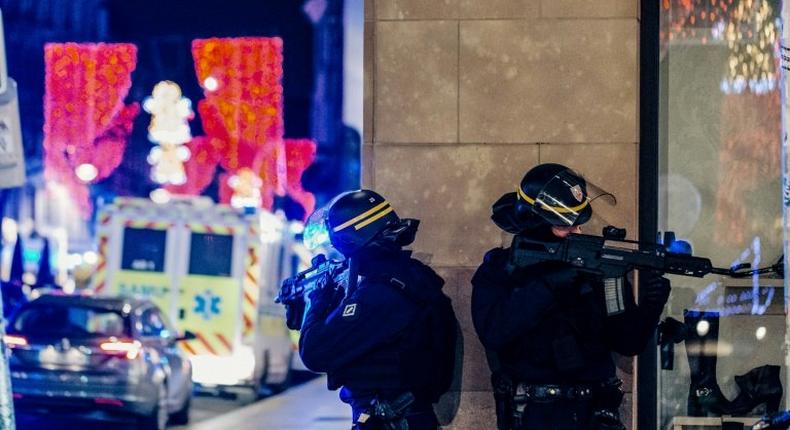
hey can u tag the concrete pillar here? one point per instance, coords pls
(462, 97)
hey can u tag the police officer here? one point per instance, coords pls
(549, 329)
(389, 340)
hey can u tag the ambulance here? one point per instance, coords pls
(214, 270)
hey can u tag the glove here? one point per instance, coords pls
(654, 290)
(324, 299)
(294, 314)
(559, 277)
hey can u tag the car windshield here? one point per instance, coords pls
(73, 321)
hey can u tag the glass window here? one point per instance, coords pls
(71, 321)
(144, 249)
(720, 191)
(153, 323)
(211, 254)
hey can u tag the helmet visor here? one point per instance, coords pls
(316, 229)
(566, 199)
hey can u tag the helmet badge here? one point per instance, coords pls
(576, 190)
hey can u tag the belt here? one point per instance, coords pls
(530, 392)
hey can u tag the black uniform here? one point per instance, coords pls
(378, 341)
(549, 327)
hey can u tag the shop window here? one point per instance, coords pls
(720, 181)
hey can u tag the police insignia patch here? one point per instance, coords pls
(350, 310)
(577, 192)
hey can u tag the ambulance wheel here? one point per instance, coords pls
(264, 379)
(286, 382)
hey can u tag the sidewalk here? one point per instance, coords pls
(307, 407)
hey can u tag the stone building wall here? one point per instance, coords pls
(462, 97)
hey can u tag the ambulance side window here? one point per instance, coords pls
(143, 250)
(211, 254)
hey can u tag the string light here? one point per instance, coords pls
(751, 36)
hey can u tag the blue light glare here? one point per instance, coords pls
(315, 235)
(754, 301)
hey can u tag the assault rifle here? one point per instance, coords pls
(612, 256)
(777, 421)
(321, 274)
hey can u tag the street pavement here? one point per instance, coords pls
(307, 407)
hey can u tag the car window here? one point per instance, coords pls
(155, 324)
(73, 321)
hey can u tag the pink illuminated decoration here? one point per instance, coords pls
(85, 120)
(200, 167)
(245, 106)
(242, 113)
(299, 154)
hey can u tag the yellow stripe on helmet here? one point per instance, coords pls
(557, 209)
(363, 215)
(372, 219)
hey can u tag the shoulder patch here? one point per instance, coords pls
(350, 310)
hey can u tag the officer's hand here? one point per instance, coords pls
(323, 300)
(560, 278)
(654, 290)
(294, 313)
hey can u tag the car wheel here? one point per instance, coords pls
(157, 420)
(181, 416)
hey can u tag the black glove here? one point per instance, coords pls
(654, 290)
(324, 299)
(294, 313)
(559, 277)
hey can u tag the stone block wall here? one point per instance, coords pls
(464, 96)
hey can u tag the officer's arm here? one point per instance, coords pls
(501, 313)
(629, 332)
(366, 319)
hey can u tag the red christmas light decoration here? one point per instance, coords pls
(299, 154)
(243, 110)
(199, 168)
(242, 82)
(85, 120)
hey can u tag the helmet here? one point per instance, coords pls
(350, 221)
(555, 193)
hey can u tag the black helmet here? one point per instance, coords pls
(350, 221)
(549, 194)
(555, 193)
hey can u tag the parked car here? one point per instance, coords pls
(99, 354)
